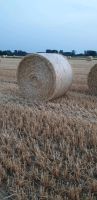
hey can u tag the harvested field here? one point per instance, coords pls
(48, 150)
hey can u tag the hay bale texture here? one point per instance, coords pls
(92, 80)
(44, 76)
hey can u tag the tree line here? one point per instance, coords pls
(13, 53)
(72, 53)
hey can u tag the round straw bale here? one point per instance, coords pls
(89, 58)
(92, 80)
(44, 76)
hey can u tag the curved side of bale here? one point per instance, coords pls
(44, 76)
(92, 80)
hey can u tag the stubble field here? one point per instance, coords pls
(48, 150)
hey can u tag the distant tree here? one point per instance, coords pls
(67, 53)
(54, 51)
(90, 53)
(19, 53)
(51, 51)
(10, 53)
(48, 51)
(1, 53)
(73, 52)
(61, 52)
(79, 54)
(85, 52)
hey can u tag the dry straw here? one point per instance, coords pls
(92, 80)
(44, 76)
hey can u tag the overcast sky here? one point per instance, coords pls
(37, 25)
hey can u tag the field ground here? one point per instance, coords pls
(48, 150)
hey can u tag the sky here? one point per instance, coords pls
(37, 25)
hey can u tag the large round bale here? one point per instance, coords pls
(92, 80)
(44, 76)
